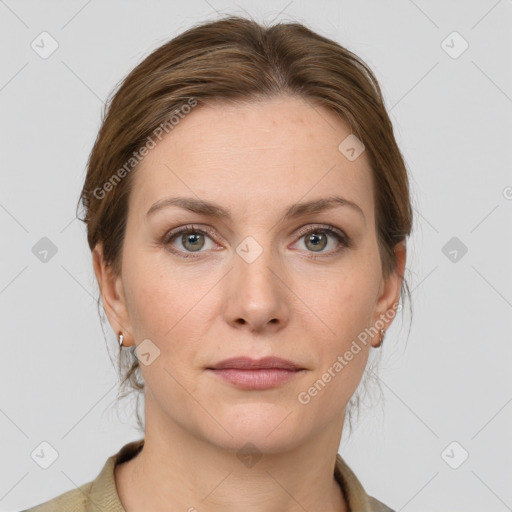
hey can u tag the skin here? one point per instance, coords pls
(255, 159)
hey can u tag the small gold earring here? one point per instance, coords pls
(120, 339)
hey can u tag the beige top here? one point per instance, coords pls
(101, 493)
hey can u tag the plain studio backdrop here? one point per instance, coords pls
(442, 439)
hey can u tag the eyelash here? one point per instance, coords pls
(343, 239)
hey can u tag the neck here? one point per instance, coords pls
(177, 470)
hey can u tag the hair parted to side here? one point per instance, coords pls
(234, 59)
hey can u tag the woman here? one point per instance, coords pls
(247, 208)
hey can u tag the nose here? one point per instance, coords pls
(256, 295)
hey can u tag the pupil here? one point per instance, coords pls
(192, 239)
(316, 239)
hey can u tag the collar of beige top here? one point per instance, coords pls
(103, 492)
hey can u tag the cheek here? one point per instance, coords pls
(170, 308)
(153, 297)
(345, 306)
(342, 302)
(160, 310)
(343, 349)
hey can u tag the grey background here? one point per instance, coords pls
(449, 381)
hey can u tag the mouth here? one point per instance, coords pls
(252, 374)
(266, 363)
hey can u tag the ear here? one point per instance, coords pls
(389, 292)
(113, 297)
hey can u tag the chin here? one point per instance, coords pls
(270, 428)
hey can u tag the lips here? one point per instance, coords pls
(257, 374)
(246, 363)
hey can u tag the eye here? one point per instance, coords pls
(316, 239)
(191, 239)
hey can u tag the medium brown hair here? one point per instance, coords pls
(234, 59)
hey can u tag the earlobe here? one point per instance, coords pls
(389, 293)
(112, 295)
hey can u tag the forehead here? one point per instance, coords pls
(253, 157)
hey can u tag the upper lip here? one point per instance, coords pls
(246, 363)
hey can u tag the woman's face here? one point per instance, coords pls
(253, 283)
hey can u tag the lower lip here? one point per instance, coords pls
(265, 378)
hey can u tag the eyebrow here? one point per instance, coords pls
(207, 208)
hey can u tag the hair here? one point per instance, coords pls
(234, 59)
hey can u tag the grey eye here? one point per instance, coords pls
(192, 241)
(316, 241)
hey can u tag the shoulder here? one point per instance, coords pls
(355, 494)
(98, 494)
(75, 500)
(378, 506)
